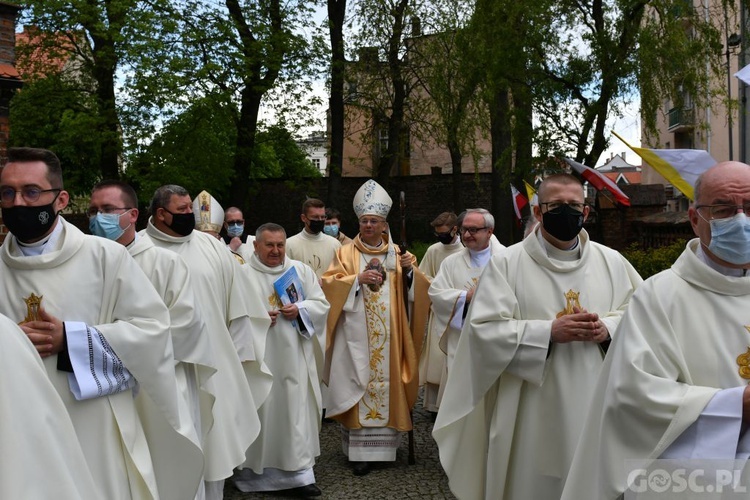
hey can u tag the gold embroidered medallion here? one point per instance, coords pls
(33, 303)
(743, 360)
(571, 301)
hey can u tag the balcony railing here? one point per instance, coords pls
(681, 119)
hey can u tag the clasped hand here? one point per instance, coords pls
(581, 326)
(46, 333)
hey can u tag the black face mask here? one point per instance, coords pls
(29, 223)
(182, 224)
(445, 238)
(564, 223)
(317, 226)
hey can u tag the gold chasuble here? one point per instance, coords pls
(373, 346)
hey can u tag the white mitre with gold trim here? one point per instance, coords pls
(209, 215)
(372, 199)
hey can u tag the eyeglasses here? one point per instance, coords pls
(471, 230)
(235, 222)
(724, 211)
(30, 194)
(556, 206)
(105, 210)
(369, 222)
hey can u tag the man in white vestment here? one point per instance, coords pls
(455, 284)
(236, 238)
(312, 246)
(373, 344)
(101, 329)
(113, 214)
(432, 362)
(449, 242)
(281, 459)
(529, 354)
(675, 382)
(36, 434)
(237, 323)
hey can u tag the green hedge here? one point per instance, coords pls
(654, 260)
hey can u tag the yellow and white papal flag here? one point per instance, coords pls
(681, 167)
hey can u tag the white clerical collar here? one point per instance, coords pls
(567, 255)
(44, 245)
(726, 271)
(480, 258)
(130, 245)
(372, 247)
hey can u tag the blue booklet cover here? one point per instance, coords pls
(289, 288)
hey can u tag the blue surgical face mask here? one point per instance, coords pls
(730, 239)
(235, 230)
(332, 230)
(107, 225)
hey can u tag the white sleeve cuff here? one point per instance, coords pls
(97, 371)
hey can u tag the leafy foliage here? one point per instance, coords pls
(654, 260)
(67, 124)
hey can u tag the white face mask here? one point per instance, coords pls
(730, 239)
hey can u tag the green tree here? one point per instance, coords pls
(55, 114)
(277, 155)
(336, 20)
(193, 150)
(447, 109)
(246, 51)
(99, 37)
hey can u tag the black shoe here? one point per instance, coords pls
(307, 491)
(361, 468)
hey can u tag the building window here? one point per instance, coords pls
(383, 138)
(316, 163)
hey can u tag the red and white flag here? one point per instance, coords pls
(519, 201)
(599, 181)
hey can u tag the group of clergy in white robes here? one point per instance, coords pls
(525, 354)
(102, 332)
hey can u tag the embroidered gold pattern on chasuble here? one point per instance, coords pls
(743, 360)
(374, 405)
(571, 301)
(33, 303)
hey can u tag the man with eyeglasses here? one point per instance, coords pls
(454, 286)
(529, 353)
(232, 307)
(113, 214)
(675, 384)
(97, 323)
(311, 245)
(376, 325)
(432, 361)
(236, 237)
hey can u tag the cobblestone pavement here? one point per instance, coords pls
(396, 480)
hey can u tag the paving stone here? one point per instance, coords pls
(398, 480)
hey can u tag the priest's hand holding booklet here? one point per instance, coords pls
(289, 290)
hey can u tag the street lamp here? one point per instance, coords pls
(733, 41)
